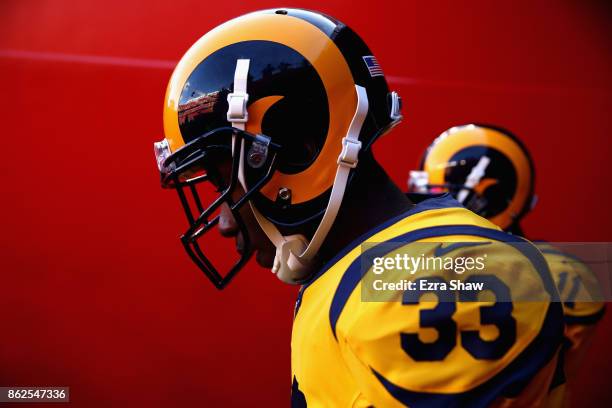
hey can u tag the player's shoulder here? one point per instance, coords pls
(438, 227)
(434, 334)
(577, 284)
(433, 217)
(560, 260)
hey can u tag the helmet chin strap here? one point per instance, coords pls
(295, 255)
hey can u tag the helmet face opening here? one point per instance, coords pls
(204, 173)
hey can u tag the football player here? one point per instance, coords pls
(490, 172)
(277, 110)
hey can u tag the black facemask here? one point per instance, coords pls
(212, 162)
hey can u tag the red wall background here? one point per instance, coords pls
(95, 290)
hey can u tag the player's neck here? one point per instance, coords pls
(371, 199)
(515, 229)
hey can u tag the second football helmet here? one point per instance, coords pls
(281, 103)
(486, 168)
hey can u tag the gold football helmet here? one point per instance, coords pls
(291, 99)
(486, 168)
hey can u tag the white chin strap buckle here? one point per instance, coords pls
(237, 111)
(237, 100)
(350, 153)
(287, 265)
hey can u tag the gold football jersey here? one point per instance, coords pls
(434, 348)
(582, 304)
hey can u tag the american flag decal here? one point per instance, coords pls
(372, 65)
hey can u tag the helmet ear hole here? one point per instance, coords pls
(302, 139)
(301, 155)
